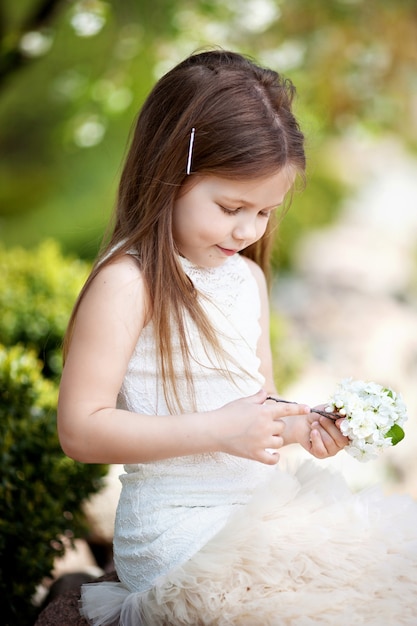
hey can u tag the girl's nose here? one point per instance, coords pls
(245, 230)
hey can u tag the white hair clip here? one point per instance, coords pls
(190, 152)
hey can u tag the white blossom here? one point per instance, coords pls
(372, 413)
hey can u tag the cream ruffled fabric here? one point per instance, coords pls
(304, 551)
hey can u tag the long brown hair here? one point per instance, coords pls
(245, 129)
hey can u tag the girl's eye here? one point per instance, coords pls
(229, 211)
(235, 211)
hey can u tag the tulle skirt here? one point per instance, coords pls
(305, 551)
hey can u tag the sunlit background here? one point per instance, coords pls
(72, 77)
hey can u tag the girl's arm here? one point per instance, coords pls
(109, 321)
(91, 429)
(317, 434)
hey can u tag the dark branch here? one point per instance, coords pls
(42, 14)
(11, 58)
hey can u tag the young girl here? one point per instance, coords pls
(168, 371)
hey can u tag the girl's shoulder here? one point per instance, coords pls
(255, 270)
(118, 283)
(122, 268)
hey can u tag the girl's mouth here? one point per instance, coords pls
(227, 251)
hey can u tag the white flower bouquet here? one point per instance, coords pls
(373, 416)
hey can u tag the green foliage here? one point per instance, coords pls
(396, 433)
(317, 205)
(41, 490)
(413, 278)
(82, 89)
(288, 353)
(38, 289)
(354, 65)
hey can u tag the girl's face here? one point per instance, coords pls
(216, 217)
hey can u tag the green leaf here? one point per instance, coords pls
(396, 433)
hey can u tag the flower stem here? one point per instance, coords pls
(331, 415)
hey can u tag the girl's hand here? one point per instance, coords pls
(317, 434)
(325, 438)
(252, 428)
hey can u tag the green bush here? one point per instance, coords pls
(41, 490)
(38, 289)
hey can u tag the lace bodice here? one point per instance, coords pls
(169, 509)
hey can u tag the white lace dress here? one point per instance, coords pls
(218, 540)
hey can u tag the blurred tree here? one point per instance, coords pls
(89, 63)
(357, 61)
